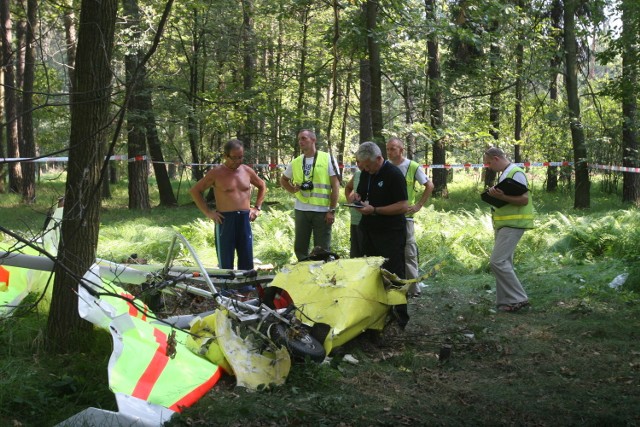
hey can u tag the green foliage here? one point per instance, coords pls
(34, 386)
(613, 234)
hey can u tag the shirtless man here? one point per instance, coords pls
(231, 182)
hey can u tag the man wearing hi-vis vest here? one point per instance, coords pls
(412, 173)
(509, 223)
(312, 178)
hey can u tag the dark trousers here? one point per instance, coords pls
(355, 250)
(388, 244)
(307, 224)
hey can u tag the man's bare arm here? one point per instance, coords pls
(259, 183)
(428, 189)
(348, 189)
(335, 191)
(200, 187)
(287, 184)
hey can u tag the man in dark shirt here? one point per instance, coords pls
(383, 192)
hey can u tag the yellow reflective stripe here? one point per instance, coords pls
(319, 195)
(508, 217)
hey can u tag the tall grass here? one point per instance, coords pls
(456, 229)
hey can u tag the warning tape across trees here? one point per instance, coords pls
(273, 166)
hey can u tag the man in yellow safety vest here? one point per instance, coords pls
(509, 222)
(413, 173)
(313, 179)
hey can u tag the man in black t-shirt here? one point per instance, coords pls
(383, 192)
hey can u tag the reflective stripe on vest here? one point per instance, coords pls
(321, 192)
(512, 215)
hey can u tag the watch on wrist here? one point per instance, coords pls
(258, 207)
(332, 210)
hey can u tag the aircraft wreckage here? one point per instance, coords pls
(159, 366)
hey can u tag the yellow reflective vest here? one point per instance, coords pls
(512, 215)
(410, 177)
(321, 192)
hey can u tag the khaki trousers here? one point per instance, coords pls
(509, 290)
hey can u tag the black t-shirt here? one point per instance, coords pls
(386, 187)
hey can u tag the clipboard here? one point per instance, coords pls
(510, 187)
(353, 205)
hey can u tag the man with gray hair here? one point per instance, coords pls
(509, 222)
(383, 194)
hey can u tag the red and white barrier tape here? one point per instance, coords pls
(273, 166)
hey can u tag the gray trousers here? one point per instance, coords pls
(308, 223)
(411, 257)
(509, 290)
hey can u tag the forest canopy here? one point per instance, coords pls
(545, 80)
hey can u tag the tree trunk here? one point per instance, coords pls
(335, 84)
(301, 106)
(409, 114)
(138, 167)
(28, 144)
(248, 71)
(193, 131)
(582, 191)
(345, 113)
(436, 104)
(494, 100)
(366, 131)
(165, 190)
(631, 88)
(20, 31)
(555, 63)
(517, 134)
(106, 182)
(70, 40)
(8, 59)
(373, 48)
(66, 331)
(3, 177)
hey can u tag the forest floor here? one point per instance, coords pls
(566, 360)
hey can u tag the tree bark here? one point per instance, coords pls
(582, 191)
(248, 72)
(301, 106)
(345, 114)
(138, 166)
(494, 100)
(10, 99)
(630, 71)
(70, 40)
(517, 134)
(20, 31)
(3, 177)
(366, 131)
(436, 104)
(28, 144)
(193, 130)
(375, 76)
(90, 101)
(555, 63)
